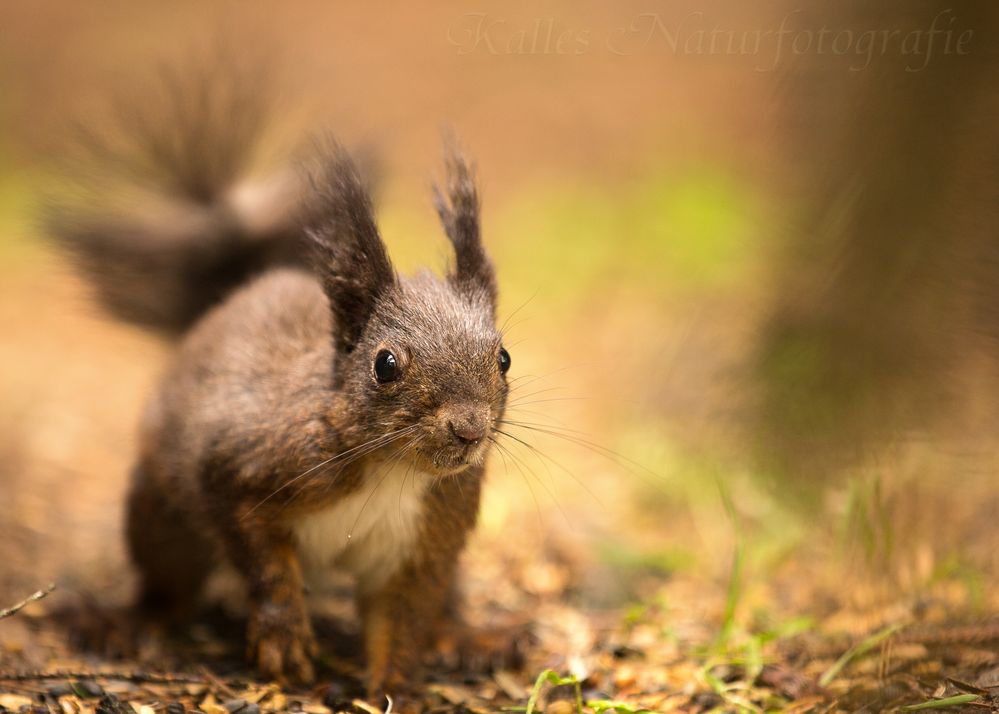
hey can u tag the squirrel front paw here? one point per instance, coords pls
(281, 643)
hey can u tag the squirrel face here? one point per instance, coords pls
(416, 354)
(431, 357)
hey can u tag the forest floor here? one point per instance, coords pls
(690, 647)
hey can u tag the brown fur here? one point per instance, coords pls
(278, 380)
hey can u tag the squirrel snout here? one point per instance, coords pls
(468, 423)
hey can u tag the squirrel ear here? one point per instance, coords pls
(349, 256)
(459, 212)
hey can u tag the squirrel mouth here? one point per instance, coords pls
(453, 459)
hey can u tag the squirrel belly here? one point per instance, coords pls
(371, 532)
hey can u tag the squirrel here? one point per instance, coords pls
(322, 411)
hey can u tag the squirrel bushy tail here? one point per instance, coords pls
(160, 218)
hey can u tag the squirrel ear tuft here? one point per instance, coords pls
(349, 255)
(458, 208)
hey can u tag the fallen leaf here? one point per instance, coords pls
(363, 705)
(509, 684)
(14, 701)
(316, 709)
(210, 705)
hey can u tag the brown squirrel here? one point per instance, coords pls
(337, 417)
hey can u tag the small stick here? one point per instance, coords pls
(14, 609)
(135, 677)
(212, 679)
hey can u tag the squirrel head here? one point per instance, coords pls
(416, 356)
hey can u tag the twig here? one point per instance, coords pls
(135, 677)
(219, 684)
(14, 609)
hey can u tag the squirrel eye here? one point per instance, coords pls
(386, 367)
(504, 360)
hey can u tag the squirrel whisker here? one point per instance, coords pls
(410, 470)
(503, 451)
(382, 440)
(631, 466)
(542, 456)
(359, 452)
(521, 465)
(387, 467)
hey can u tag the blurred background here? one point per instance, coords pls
(748, 257)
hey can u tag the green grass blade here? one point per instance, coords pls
(857, 650)
(942, 703)
(733, 593)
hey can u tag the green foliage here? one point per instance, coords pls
(659, 233)
(697, 226)
(16, 234)
(553, 678)
(662, 561)
(974, 580)
(867, 520)
(597, 706)
(601, 706)
(736, 648)
(733, 592)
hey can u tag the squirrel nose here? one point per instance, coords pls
(469, 425)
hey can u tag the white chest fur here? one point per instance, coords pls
(371, 532)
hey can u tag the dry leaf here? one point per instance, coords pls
(210, 705)
(14, 701)
(361, 704)
(316, 709)
(277, 702)
(509, 684)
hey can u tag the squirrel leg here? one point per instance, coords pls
(279, 634)
(172, 556)
(401, 620)
(404, 616)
